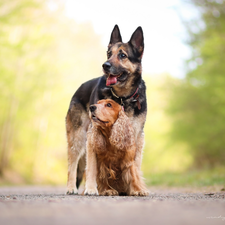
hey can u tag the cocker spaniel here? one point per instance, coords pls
(111, 149)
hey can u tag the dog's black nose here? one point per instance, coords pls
(92, 108)
(106, 66)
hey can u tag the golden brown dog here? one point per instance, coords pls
(111, 150)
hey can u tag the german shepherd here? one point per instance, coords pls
(122, 81)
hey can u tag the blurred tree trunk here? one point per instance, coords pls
(7, 135)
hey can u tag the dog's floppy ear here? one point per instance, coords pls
(115, 36)
(122, 133)
(95, 139)
(137, 41)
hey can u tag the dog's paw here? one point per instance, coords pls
(71, 191)
(91, 191)
(139, 193)
(110, 193)
(143, 193)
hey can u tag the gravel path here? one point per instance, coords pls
(49, 205)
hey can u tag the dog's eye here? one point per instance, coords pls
(108, 105)
(109, 54)
(122, 55)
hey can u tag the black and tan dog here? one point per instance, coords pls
(122, 82)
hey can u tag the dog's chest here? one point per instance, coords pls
(111, 155)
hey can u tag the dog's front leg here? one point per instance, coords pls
(140, 145)
(91, 172)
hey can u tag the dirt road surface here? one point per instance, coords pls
(50, 205)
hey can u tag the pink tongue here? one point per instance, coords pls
(111, 80)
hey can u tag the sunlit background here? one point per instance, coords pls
(48, 48)
(164, 32)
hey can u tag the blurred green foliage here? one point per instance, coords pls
(44, 57)
(193, 178)
(197, 104)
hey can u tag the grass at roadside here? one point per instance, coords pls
(193, 178)
(190, 179)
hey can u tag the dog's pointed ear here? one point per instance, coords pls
(137, 41)
(122, 133)
(115, 36)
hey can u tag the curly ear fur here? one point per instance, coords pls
(95, 139)
(122, 133)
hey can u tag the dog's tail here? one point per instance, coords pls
(80, 170)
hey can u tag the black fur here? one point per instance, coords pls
(94, 90)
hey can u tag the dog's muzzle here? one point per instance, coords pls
(106, 66)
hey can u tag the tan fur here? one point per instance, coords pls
(138, 124)
(73, 154)
(111, 151)
(126, 63)
(91, 169)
